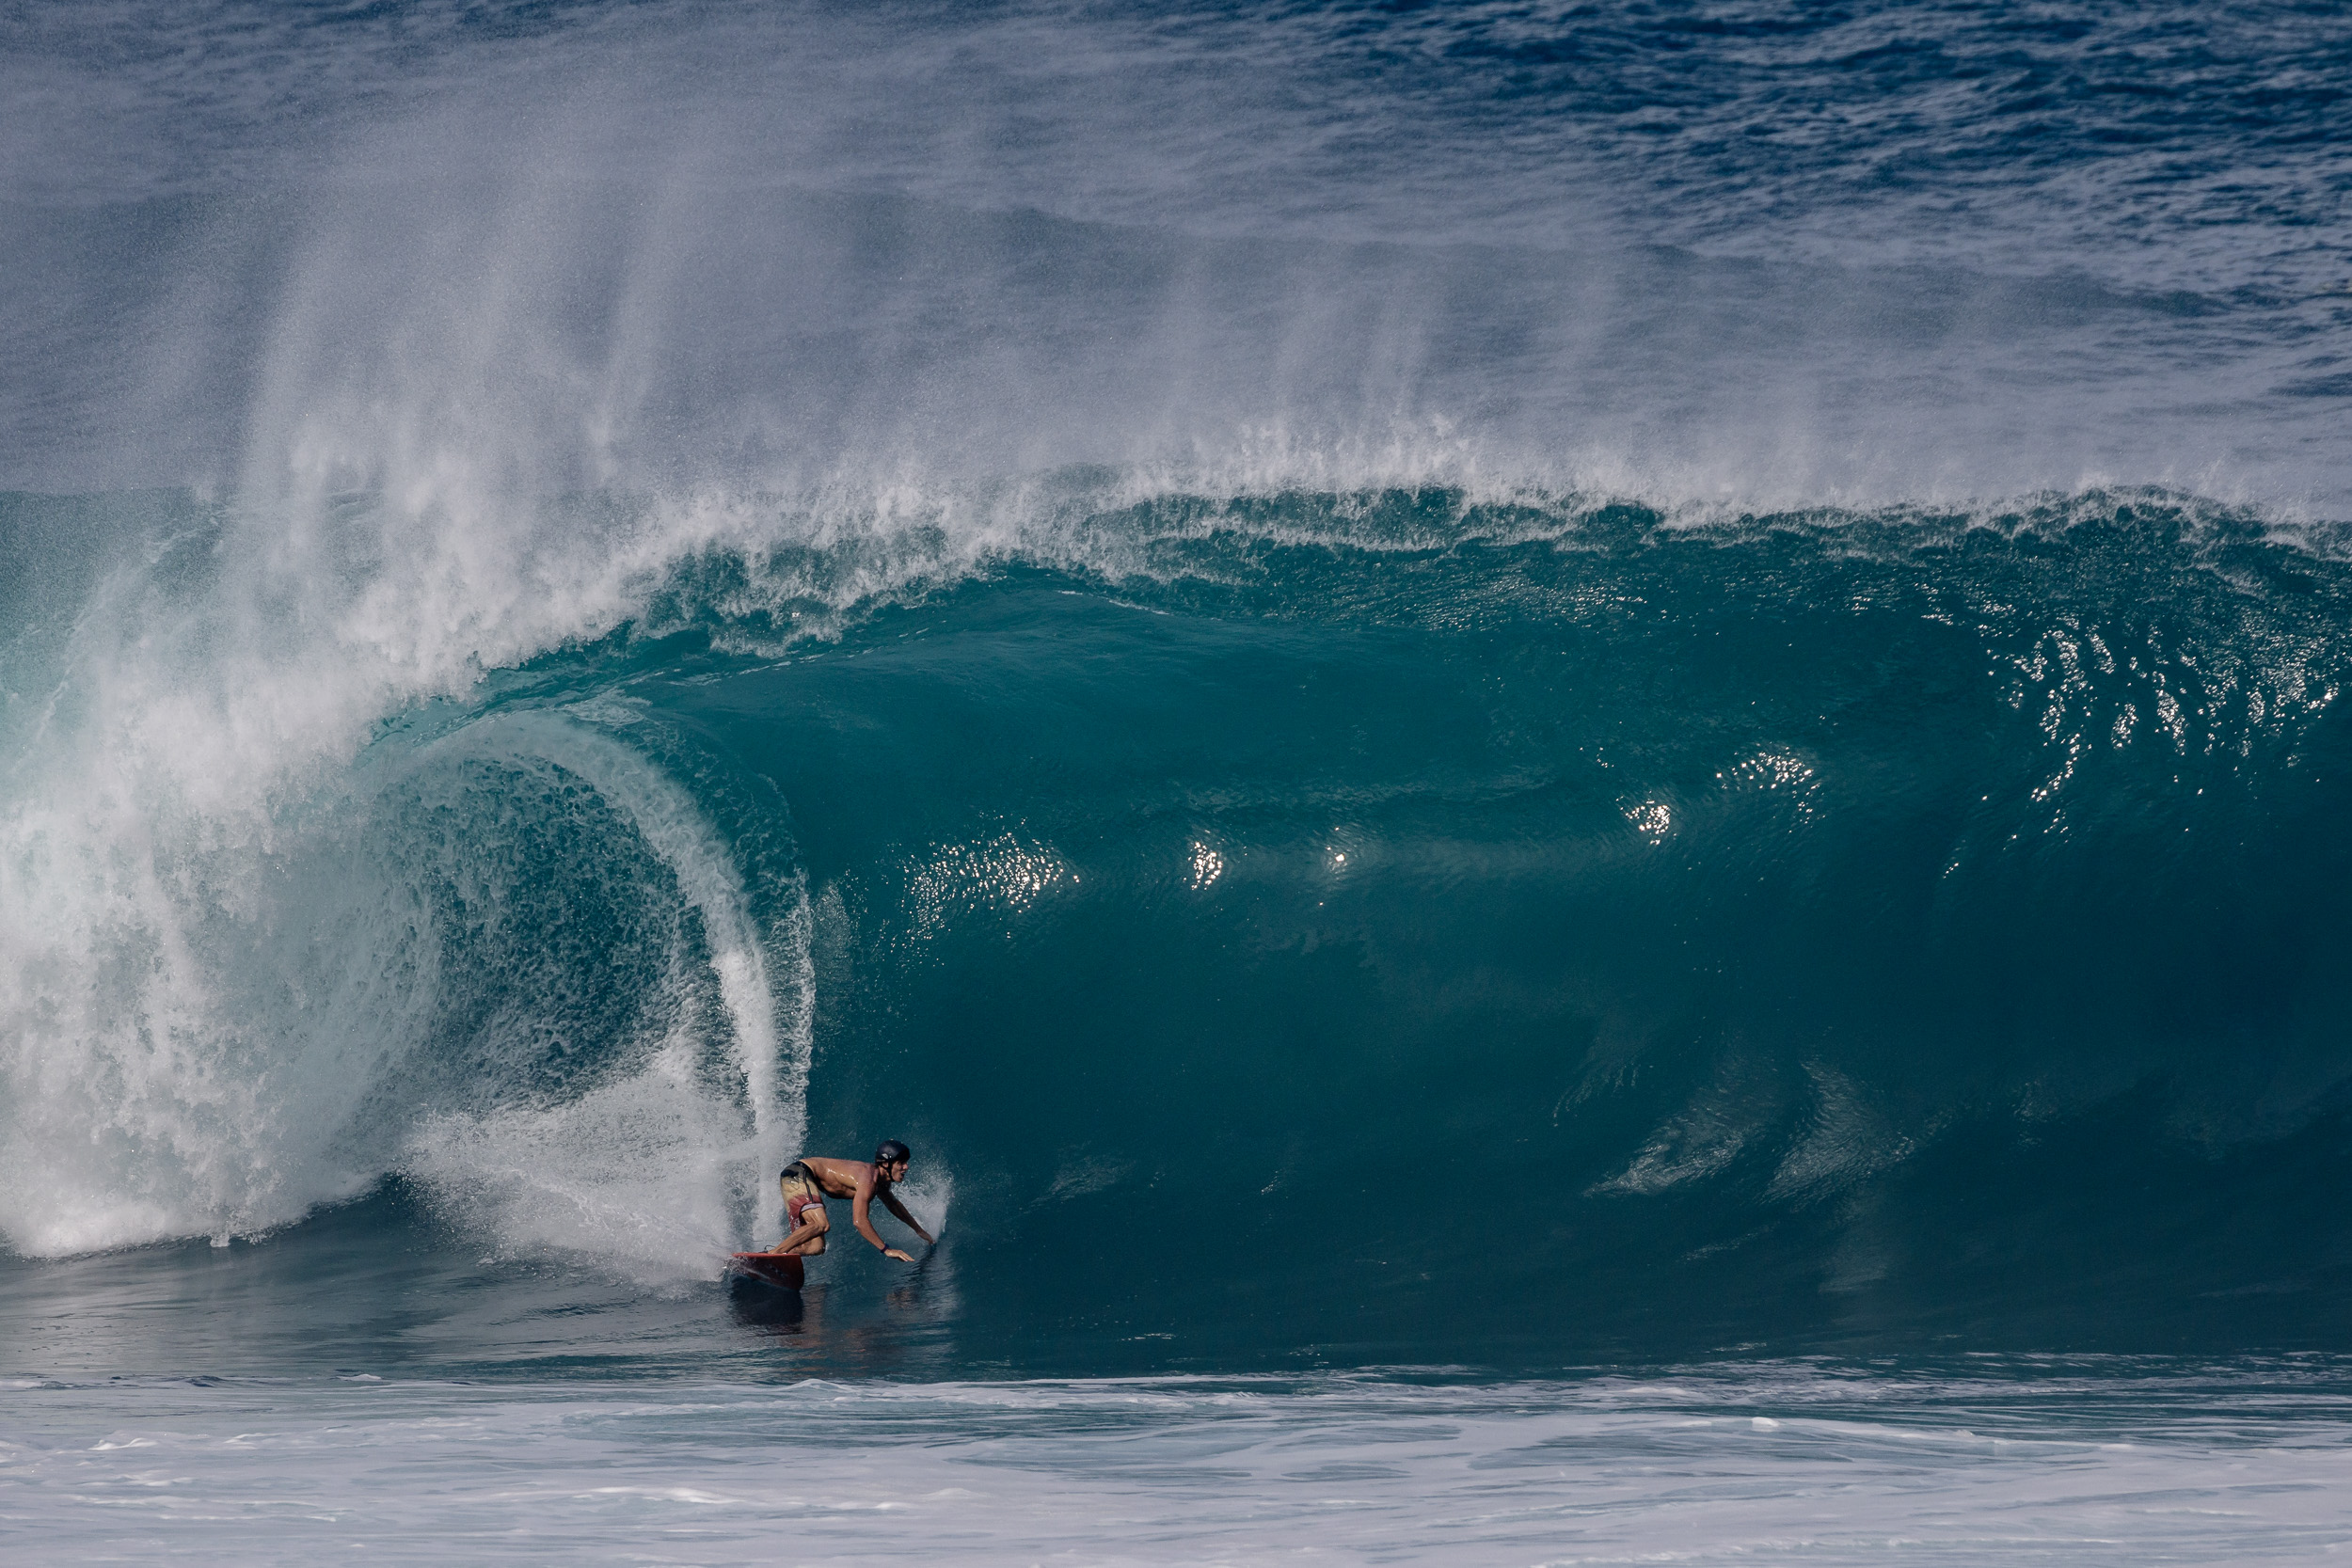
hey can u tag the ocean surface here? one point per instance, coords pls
(1578, 769)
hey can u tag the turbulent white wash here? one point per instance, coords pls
(220, 1018)
(1772, 1464)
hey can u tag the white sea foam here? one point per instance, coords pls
(1728, 1465)
(229, 1016)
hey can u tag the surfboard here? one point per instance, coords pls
(775, 1268)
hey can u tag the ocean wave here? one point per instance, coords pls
(1737, 887)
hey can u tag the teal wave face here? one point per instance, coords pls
(1796, 927)
(1394, 928)
(1801, 930)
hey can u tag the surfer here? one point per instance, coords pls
(808, 1180)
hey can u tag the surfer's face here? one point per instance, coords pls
(894, 1171)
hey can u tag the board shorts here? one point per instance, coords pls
(800, 1190)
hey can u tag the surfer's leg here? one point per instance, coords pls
(807, 1239)
(804, 1212)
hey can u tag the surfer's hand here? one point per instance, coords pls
(894, 1252)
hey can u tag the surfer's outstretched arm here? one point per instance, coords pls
(861, 1215)
(890, 1202)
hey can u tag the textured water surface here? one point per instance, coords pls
(1795, 1463)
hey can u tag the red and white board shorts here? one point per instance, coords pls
(800, 1190)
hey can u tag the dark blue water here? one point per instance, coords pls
(1502, 689)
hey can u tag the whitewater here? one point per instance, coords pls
(1579, 771)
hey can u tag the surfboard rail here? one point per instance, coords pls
(774, 1268)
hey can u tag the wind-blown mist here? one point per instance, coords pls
(663, 248)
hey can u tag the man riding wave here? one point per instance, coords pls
(808, 1180)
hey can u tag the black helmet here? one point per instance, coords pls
(891, 1151)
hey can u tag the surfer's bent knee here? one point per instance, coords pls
(803, 1209)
